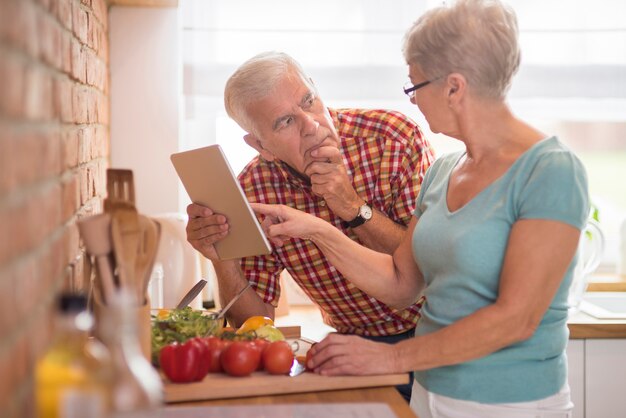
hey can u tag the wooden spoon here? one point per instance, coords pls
(96, 234)
(150, 232)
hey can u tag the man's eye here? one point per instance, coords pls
(309, 102)
(285, 122)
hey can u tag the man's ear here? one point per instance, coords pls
(255, 143)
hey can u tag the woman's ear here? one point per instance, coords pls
(255, 143)
(456, 85)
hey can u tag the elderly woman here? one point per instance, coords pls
(492, 244)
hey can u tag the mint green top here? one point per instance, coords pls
(461, 254)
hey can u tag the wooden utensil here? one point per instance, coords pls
(150, 232)
(120, 203)
(95, 231)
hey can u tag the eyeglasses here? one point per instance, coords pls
(410, 88)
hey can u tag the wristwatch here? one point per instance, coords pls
(364, 215)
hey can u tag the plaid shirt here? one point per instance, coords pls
(386, 157)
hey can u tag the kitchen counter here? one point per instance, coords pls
(388, 395)
(583, 326)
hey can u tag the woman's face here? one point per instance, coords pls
(430, 100)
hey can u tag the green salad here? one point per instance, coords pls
(180, 325)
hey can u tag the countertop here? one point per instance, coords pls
(583, 326)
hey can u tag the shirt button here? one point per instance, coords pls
(323, 203)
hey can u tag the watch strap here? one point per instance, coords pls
(359, 219)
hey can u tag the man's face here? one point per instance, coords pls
(291, 122)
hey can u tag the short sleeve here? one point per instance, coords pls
(556, 189)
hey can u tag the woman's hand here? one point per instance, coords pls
(352, 355)
(281, 223)
(204, 229)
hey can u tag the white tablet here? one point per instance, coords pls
(210, 182)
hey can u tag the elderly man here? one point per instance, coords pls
(360, 170)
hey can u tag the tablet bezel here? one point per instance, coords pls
(196, 169)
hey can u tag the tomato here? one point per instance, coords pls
(259, 345)
(239, 359)
(215, 347)
(278, 357)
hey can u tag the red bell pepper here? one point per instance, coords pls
(184, 363)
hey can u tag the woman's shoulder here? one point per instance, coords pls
(552, 155)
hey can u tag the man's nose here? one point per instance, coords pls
(310, 125)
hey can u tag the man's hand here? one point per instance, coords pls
(204, 229)
(330, 180)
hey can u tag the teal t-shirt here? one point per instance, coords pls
(461, 255)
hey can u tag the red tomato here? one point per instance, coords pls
(259, 345)
(239, 359)
(215, 347)
(278, 357)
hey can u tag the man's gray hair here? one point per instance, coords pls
(255, 79)
(476, 38)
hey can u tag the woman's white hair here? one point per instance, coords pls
(254, 80)
(476, 38)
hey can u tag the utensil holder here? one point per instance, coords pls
(143, 322)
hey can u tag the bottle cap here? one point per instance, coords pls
(72, 302)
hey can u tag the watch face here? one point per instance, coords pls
(365, 212)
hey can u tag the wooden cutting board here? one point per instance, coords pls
(222, 386)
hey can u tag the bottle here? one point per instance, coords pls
(70, 381)
(136, 388)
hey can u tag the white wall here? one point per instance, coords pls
(145, 101)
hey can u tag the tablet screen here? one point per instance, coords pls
(209, 181)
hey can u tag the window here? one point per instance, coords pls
(572, 81)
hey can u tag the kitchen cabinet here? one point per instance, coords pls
(597, 377)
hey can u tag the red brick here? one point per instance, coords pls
(66, 53)
(99, 8)
(50, 41)
(12, 74)
(18, 24)
(7, 309)
(101, 142)
(70, 147)
(38, 94)
(64, 13)
(78, 62)
(45, 4)
(80, 22)
(71, 196)
(6, 162)
(104, 110)
(93, 98)
(28, 289)
(79, 104)
(8, 381)
(63, 99)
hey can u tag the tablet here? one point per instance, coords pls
(209, 181)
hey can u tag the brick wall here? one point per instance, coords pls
(54, 147)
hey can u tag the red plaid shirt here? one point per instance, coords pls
(386, 156)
